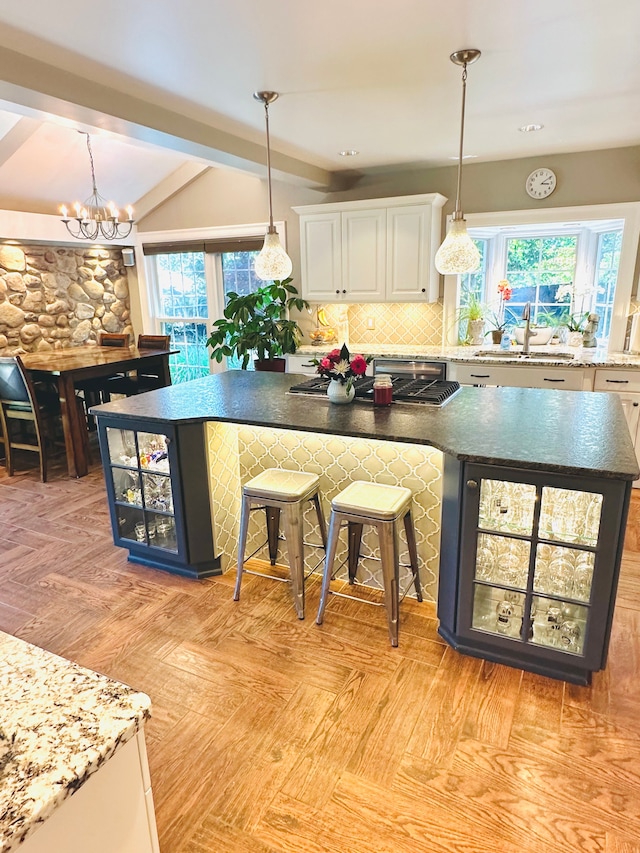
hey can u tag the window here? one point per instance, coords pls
(577, 260)
(183, 311)
(238, 277)
(189, 287)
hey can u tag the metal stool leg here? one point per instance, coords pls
(332, 547)
(355, 540)
(321, 522)
(295, 549)
(273, 528)
(410, 533)
(242, 542)
(389, 557)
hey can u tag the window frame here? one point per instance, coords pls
(148, 290)
(484, 225)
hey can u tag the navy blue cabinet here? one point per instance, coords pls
(529, 569)
(157, 485)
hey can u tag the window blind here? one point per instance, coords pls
(224, 244)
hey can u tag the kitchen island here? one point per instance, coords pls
(538, 456)
(73, 767)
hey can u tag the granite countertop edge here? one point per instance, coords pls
(60, 723)
(498, 426)
(582, 357)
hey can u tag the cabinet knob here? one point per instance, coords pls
(472, 484)
(344, 291)
(635, 405)
(424, 289)
(337, 291)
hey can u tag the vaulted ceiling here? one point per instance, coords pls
(165, 88)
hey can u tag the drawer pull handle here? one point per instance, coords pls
(553, 380)
(480, 375)
(618, 381)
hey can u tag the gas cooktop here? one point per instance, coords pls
(426, 392)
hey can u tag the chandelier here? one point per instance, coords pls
(273, 263)
(96, 218)
(458, 253)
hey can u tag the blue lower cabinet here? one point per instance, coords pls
(530, 564)
(158, 491)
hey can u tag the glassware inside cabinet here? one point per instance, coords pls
(558, 624)
(564, 572)
(161, 530)
(126, 486)
(157, 492)
(122, 447)
(498, 611)
(507, 506)
(131, 524)
(152, 451)
(568, 515)
(502, 560)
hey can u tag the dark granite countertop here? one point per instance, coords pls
(563, 431)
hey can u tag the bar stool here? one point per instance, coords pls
(275, 490)
(381, 507)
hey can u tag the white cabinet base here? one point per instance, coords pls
(112, 812)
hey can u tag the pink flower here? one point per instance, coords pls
(325, 364)
(359, 365)
(334, 355)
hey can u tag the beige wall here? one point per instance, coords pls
(223, 197)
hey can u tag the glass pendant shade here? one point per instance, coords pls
(458, 253)
(273, 263)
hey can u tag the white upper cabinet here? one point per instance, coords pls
(378, 250)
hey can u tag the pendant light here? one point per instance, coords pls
(273, 263)
(458, 253)
(96, 218)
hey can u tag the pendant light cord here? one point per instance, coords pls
(93, 170)
(459, 185)
(266, 116)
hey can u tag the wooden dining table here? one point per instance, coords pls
(68, 366)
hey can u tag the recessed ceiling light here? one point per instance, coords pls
(529, 128)
(348, 152)
(464, 157)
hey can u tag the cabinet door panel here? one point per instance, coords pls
(363, 254)
(408, 254)
(320, 246)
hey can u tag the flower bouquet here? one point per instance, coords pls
(340, 365)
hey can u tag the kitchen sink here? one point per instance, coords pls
(520, 356)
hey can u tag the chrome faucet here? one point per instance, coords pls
(528, 334)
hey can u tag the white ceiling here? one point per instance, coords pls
(373, 75)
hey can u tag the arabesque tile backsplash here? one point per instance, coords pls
(393, 323)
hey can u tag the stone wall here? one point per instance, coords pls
(53, 297)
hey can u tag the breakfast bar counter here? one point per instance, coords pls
(520, 496)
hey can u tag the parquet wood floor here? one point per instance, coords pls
(269, 734)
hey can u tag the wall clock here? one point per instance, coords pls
(540, 183)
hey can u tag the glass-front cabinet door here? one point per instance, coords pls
(537, 564)
(143, 492)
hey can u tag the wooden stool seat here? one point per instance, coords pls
(382, 507)
(277, 490)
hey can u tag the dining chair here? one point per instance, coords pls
(145, 378)
(113, 339)
(19, 405)
(94, 390)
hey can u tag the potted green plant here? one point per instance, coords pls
(575, 325)
(258, 324)
(472, 313)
